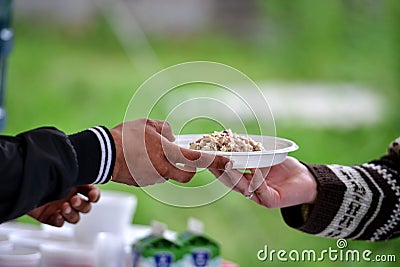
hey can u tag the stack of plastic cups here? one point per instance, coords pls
(112, 214)
(11, 257)
(5, 244)
(6, 40)
(20, 258)
(71, 255)
(105, 226)
(99, 237)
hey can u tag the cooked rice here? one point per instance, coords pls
(226, 141)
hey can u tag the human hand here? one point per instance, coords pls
(146, 155)
(283, 185)
(57, 212)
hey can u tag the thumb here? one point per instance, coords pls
(203, 160)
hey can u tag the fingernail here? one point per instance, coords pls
(60, 221)
(251, 189)
(67, 210)
(229, 166)
(253, 185)
(77, 202)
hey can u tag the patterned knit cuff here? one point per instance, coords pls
(357, 202)
(95, 150)
(331, 192)
(394, 148)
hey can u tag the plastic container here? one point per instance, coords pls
(34, 239)
(113, 214)
(5, 244)
(20, 258)
(11, 227)
(109, 251)
(65, 232)
(67, 255)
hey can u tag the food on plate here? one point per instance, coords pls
(226, 141)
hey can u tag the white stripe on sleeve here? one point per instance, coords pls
(108, 151)
(103, 154)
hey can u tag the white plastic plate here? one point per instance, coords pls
(275, 151)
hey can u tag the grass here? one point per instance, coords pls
(73, 79)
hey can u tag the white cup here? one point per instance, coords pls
(5, 244)
(113, 214)
(71, 255)
(20, 258)
(32, 239)
(66, 231)
(12, 227)
(109, 250)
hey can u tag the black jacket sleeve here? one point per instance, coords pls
(43, 165)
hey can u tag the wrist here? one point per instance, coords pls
(312, 186)
(117, 137)
(95, 155)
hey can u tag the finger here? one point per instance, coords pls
(258, 178)
(70, 215)
(182, 174)
(255, 194)
(239, 181)
(239, 187)
(255, 198)
(92, 192)
(263, 170)
(79, 204)
(53, 218)
(217, 173)
(195, 158)
(267, 196)
(188, 168)
(232, 179)
(221, 176)
(164, 128)
(224, 178)
(94, 195)
(57, 220)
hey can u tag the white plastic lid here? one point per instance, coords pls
(158, 228)
(195, 226)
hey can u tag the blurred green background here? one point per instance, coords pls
(74, 77)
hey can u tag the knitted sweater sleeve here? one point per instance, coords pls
(357, 202)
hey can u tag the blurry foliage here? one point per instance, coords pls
(76, 78)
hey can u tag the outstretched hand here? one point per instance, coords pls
(146, 155)
(67, 209)
(283, 185)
